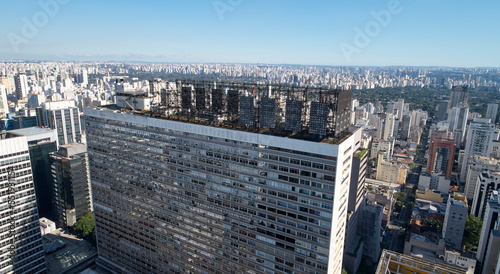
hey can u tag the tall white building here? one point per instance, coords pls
(396, 108)
(388, 126)
(21, 85)
(418, 116)
(4, 106)
(487, 182)
(491, 112)
(21, 245)
(459, 95)
(478, 165)
(174, 196)
(488, 251)
(480, 137)
(63, 116)
(457, 119)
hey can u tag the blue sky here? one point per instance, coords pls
(423, 33)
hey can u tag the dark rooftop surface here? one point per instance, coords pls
(67, 259)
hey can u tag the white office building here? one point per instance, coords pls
(480, 137)
(21, 245)
(487, 182)
(488, 250)
(63, 116)
(478, 165)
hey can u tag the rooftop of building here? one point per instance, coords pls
(393, 262)
(30, 131)
(71, 151)
(302, 135)
(493, 175)
(484, 160)
(307, 113)
(44, 222)
(459, 197)
(72, 252)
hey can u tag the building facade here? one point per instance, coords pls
(63, 116)
(488, 251)
(21, 244)
(4, 104)
(357, 199)
(21, 81)
(370, 230)
(71, 186)
(457, 119)
(175, 197)
(491, 112)
(41, 142)
(487, 182)
(441, 152)
(442, 113)
(391, 172)
(478, 165)
(454, 220)
(459, 95)
(480, 137)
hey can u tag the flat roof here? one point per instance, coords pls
(30, 131)
(75, 251)
(303, 135)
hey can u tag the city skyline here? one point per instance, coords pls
(388, 33)
(231, 136)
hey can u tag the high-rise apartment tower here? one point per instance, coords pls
(178, 196)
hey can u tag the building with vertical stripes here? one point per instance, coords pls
(63, 116)
(174, 195)
(21, 249)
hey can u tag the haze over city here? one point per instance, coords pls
(416, 33)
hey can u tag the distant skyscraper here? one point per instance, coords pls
(22, 248)
(457, 118)
(491, 112)
(72, 198)
(441, 152)
(4, 80)
(405, 127)
(390, 107)
(4, 105)
(480, 137)
(85, 78)
(442, 113)
(176, 197)
(21, 85)
(399, 108)
(63, 116)
(459, 94)
(454, 220)
(388, 126)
